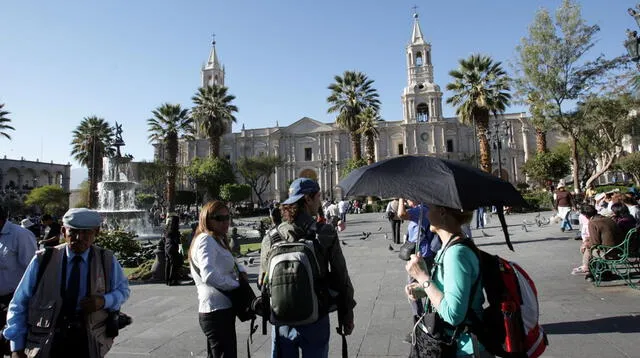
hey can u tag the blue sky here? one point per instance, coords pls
(61, 61)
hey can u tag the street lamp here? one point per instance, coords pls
(500, 132)
(329, 164)
(194, 186)
(632, 43)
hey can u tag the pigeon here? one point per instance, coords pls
(386, 237)
(380, 228)
(485, 234)
(524, 228)
(245, 262)
(343, 242)
(251, 261)
(391, 248)
(365, 235)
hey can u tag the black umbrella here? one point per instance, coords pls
(435, 181)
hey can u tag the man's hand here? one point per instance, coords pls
(92, 303)
(347, 327)
(19, 354)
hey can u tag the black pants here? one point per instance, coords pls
(220, 329)
(70, 343)
(173, 263)
(395, 230)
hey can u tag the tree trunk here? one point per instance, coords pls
(214, 146)
(482, 122)
(541, 141)
(172, 157)
(355, 146)
(607, 163)
(371, 148)
(92, 184)
(575, 162)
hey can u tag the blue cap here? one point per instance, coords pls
(81, 218)
(299, 188)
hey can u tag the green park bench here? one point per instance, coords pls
(622, 260)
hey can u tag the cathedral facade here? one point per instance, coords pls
(320, 150)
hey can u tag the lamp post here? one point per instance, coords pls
(500, 131)
(632, 43)
(194, 186)
(329, 164)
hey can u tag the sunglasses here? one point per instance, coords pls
(219, 217)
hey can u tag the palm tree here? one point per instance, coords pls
(350, 95)
(213, 112)
(481, 88)
(3, 122)
(170, 122)
(91, 142)
(368, 122)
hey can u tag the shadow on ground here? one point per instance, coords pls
(620, 324)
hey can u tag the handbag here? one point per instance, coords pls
(431, 341)
(241, 299)
(406, 250)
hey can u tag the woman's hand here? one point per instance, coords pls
(414, 291)
(417, 268)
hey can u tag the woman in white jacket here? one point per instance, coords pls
(213, 269)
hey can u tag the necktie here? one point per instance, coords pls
(73, 286)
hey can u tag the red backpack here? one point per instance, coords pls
(509, 324)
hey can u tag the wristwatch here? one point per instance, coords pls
(426, 284)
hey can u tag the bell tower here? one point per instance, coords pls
(212, 71)
(421, 99)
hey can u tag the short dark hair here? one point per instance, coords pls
(3, 213)
(620, 210)
(588, 210)
(46, 217)
(276, 216)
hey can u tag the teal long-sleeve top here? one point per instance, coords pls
(454, 274)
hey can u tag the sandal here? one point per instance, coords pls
(579, 271)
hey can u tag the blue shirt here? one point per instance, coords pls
(412, 229)
(17, 247)
(16, 330)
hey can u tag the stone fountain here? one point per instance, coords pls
(116, 193)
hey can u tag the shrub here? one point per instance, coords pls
(123, 244)
(539, 200)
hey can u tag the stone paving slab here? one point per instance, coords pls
(581, 320)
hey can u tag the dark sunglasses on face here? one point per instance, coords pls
(219, 217)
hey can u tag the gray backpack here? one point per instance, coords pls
(295, 291)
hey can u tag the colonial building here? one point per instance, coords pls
(320, 150)
(20, 176)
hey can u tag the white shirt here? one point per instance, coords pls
(343, 206)
(217, 272)
(17, 247)
(332, 210)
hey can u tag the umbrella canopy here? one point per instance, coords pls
(435, 181)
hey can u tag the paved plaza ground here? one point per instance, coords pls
(580, 320)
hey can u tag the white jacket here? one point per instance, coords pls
(217, 272)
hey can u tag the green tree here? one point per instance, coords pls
(547, 166)
(4, 122)
(152, 177)
(350, 95)
(551, 66)
(235, 192)
(351, 165)
(257, 172)
(210, 174)
(480, 88)
(606, 121)
(630, 164)
(369, 119)
(51, 199)
(91, 141)
(170, 122)
(213, 113)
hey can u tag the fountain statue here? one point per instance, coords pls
(116, 193)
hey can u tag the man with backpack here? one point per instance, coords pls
(305, 265)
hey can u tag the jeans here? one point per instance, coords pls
(480, 218)
(566, 224)
(220, 329)
(343, 217)
(312, 339)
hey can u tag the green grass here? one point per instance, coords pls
(128, 270)
(249, 247)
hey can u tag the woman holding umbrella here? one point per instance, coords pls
(451, 285)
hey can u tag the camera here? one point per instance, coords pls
(257, 307)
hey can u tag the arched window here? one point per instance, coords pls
(419, 61)
(422, 112)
